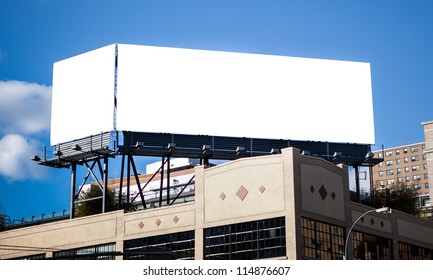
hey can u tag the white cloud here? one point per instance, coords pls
(15, 154)
(25, 108)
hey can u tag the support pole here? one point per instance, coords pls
(358, 188)
(128, 183)
(73, 183)
(161, 182)
(121, 182)
(105, 185)
(371, 184)
(168, 180)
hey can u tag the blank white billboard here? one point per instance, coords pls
(83, 95)
(199, 92)
(244, 95)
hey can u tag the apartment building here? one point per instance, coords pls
(404, 166)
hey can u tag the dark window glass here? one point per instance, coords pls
(97, 252)
(32, 257)
(245, 241)
(412, 252)
(169, 246)
(322, 241)
(371, 247)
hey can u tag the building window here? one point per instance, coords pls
(32, 257)
(414, 149)
(380, 173)
(412, 252)
(246, 241)
(178, 245)
(424, 156)
(417, 187)
(388, 153)
(405, 151)
(371, 247)
(406, 160)
(415, 168)
(398, 161)
(425, 175)
(397, 152)
(382, 184)
(400, 180)
(398, 170)
(322, 241)
(425, 166)
(390, 182)
(389, 163)
(425, 201)
(426, 186)
(406, 169)
(416, 177)
(407, 178)
(390, 172)
(415, 158)
(97, 252)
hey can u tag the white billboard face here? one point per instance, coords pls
(199, 92)
(243, 95)
(83, 95)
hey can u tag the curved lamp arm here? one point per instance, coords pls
(380, 210)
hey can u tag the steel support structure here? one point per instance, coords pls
(90, 151)
(101, 183)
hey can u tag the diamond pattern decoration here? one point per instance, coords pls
(382, 224)
(323, 193)
(223, 196)
(262, 189)
(333, 195)
(141, 225)
(372, 221)
(242, 193)
(362, 219)
(312, 189)
(176, 219)
(158, 222)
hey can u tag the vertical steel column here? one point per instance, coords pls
(128, 183)
(371, 183)
(168, 180)
(161, 181)
(105, 185)
(73, 183)
(358, 188)
(121, 182)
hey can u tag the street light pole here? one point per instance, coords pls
(386, 210)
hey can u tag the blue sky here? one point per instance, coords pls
(395, 36)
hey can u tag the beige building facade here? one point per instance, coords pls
(283, 206)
